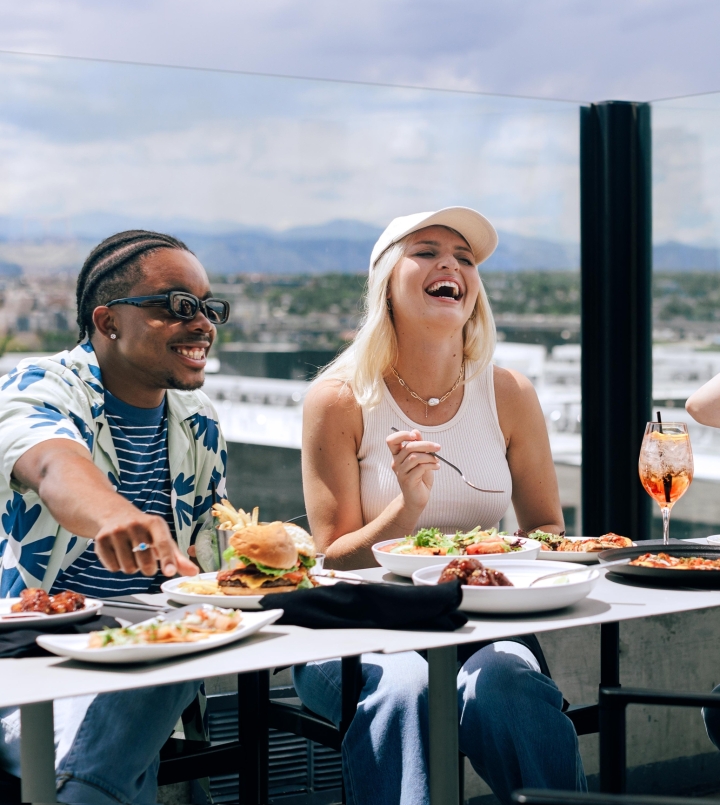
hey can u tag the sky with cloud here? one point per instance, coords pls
(83, 137)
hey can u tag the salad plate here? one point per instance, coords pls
(76, 646)
(549, 594)
(430, 547)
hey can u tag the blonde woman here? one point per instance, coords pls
(421, 363)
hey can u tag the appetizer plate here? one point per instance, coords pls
(36, 620)
(76, 646)
(671, 577)
(172, 589)
(403, 564)
(554, 593)
(572, 556)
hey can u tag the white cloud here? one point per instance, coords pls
(686, 170)
(637, 49)
(268, 152)
(83, 137)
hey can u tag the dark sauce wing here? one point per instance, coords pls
(472, 573)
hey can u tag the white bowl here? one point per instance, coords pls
(555, 593)
(406, 564)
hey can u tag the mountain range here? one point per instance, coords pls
(335, 246)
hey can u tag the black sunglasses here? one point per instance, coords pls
(182, 305)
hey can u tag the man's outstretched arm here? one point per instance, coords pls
(83, 501)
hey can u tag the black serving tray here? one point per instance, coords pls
(706, 579)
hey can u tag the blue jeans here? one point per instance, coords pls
(107, 746)
(511, 724)
(711, 716)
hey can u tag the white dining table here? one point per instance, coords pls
(609, 603)
(29, 682)
(32, 683)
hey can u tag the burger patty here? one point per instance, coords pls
(234, 578)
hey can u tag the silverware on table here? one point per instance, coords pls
(114, 604)
(570, 570)
(460, 473)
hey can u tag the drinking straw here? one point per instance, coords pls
(659, 421)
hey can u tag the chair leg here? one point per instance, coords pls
(613, 754)
(351, 681)
(253, 734)
(461, 777)
(351, 673)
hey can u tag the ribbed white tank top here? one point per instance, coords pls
(472, 440)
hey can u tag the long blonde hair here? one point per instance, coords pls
(364, 364)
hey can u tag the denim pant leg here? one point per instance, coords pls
(385, 749)
(711, 717)
(115, 755)
(67, 715)
(512, 727)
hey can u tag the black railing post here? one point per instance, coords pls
(616, 258)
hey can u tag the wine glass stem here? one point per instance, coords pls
(666, 524)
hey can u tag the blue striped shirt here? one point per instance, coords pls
(140, 437)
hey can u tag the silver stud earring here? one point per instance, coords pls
(113, 336)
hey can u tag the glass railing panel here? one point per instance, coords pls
(281, 187)
(686, 288)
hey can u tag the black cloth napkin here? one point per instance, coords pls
(371, 606)
(20, 642)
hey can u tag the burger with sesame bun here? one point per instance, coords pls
(267, 558)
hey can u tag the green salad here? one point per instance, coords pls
(432, 541)
(551, 540)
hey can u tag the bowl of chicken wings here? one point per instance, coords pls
(502, 587)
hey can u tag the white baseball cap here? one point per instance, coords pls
(475, 228)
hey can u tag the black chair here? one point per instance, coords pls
(531, 796)
(182, 760)
(299, 720)
(9, 788)
(613, 703)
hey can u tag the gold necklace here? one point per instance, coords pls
(433, 401)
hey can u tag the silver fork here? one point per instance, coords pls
(579, 570)
(460, 472)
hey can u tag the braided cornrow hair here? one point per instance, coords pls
(113, 268)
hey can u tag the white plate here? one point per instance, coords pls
(76, 646)
(713, 539)
(403, 564)
(37, 620)
(172, 589)
(572, 556)
(551, 594)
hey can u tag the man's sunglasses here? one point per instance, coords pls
(182, 305)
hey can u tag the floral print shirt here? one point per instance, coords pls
(62, 397)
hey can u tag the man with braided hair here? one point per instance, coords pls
(109, 454)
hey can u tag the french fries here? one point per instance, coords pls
(232, 519)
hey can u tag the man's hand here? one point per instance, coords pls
(115, 541)
(66, 479)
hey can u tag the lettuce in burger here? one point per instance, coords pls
(265, 558)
